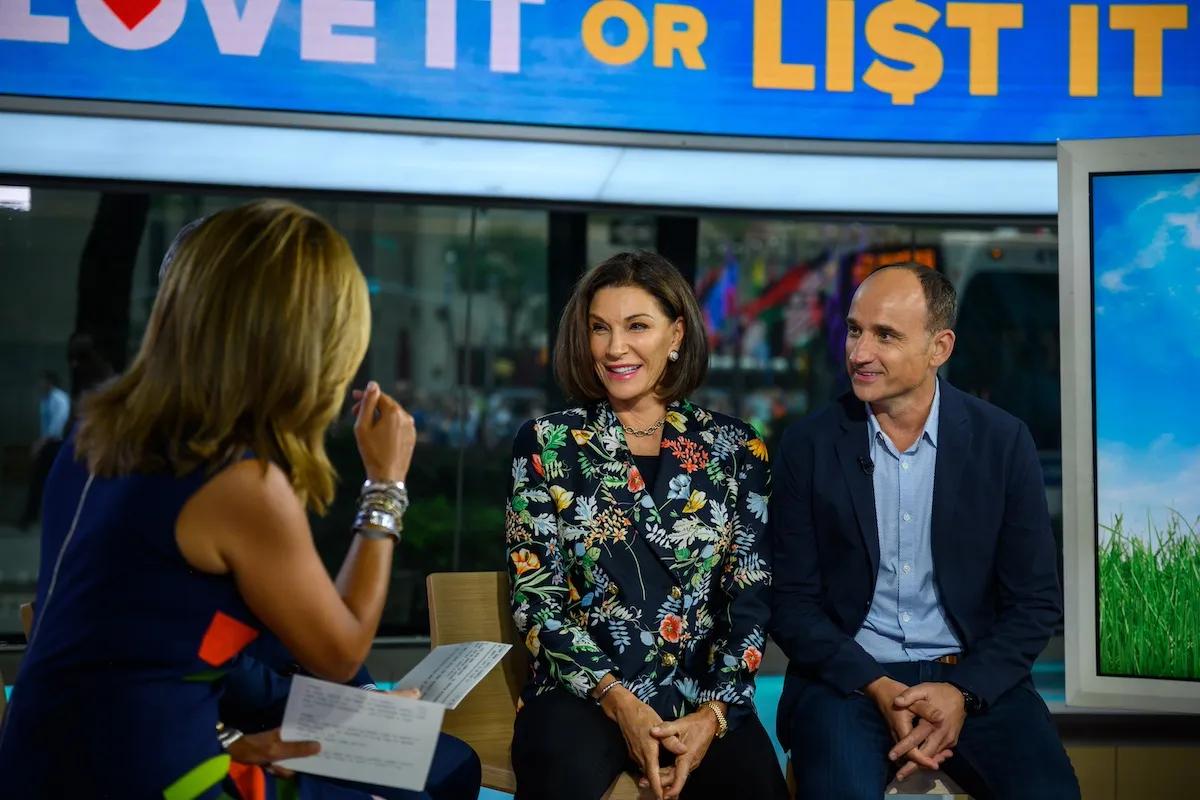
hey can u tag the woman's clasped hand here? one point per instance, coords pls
(638, 722)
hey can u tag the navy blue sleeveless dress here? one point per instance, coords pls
(118, 690)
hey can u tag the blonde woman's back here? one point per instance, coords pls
(260, 324)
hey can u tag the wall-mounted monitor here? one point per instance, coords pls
(1129, 238)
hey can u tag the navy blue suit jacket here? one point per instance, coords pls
(995, 560)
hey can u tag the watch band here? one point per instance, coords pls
(227, 736)
(722, 722)
(971, 702)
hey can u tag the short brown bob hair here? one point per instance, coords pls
(573, 363)
(260, 324)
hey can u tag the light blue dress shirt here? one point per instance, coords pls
(906, 621)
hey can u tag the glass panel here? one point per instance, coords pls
(459, 303)
(75, 262)
(774, 295)
(609, 234)
(504, 363)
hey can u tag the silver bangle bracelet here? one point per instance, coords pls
(374, 524)
(394, 490)
(604, 692)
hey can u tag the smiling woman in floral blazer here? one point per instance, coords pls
(637, 558)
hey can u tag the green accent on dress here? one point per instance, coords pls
(199, 780)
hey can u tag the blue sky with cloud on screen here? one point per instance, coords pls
(1146, 252)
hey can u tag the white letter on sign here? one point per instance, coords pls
(441, 33)
(506, 34)
(132, 26)
(244, 34)
(318, 42)
(18, 23)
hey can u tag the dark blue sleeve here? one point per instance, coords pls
(1026, 569)
(363, 678)
(804, 632)
(255, 695)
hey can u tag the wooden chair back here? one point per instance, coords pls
(474, 607)
(27, 624)
(27, 618)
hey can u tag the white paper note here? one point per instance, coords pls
(451, 671)
(370, 737)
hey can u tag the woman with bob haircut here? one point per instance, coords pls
(175, 529)
(637, 558)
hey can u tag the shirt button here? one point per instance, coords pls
(612, 588)
(907, 567)
(907, 516)
(904, 465)
(668, 659)
(676, 593)
(906, 618)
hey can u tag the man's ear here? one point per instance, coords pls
(941, 347)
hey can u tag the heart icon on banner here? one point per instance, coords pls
(132, 12)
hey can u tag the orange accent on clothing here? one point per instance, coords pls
(250, 781)
(224, 639)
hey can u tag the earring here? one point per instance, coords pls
(673, 355)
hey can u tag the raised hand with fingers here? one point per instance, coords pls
(937, 744)
(385, 433)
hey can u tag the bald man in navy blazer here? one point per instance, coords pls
(916, 572)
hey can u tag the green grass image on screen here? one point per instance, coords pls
(1150, 600)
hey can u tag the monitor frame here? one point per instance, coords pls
(1078, 161)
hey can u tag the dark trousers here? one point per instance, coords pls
(566, 747)
(1009, 752)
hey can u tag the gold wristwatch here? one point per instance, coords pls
(722, 723)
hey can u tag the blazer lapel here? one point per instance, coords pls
(613, 467)
(954, 441)
(654, 522)
(853, 452)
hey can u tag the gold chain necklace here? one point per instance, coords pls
(632, 431)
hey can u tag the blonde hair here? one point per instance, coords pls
(259, 326)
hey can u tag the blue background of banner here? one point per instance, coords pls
(560, 83)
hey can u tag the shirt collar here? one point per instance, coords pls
(930, 431)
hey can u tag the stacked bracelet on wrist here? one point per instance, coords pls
(381, 508)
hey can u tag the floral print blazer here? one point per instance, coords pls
(664, 586)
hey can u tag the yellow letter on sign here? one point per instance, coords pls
(769, 70)
(1085, 51)
(681, 28)
(637, 35)
(1148, 24)
(885, 38)
(839, 46)
(985, 20)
